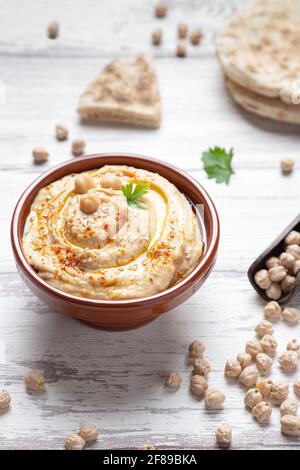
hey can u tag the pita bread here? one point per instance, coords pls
(260, 48)
(126, 91)
(271, 108)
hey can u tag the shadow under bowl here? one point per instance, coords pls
(117, 315)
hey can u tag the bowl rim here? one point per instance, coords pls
(201, 268)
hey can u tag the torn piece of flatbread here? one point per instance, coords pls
(126, 91)
(259, 49)
(272, 108)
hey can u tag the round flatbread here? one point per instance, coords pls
(259, 48)
(271, 108)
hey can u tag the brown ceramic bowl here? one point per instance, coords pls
(120, 314)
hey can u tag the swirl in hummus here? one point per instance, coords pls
(117, 252)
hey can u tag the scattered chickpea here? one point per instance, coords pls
(291, 315)
(196, 37)
(40, 155)
(253, 348)
(146, 447)
(83, 183)
(224, 436)
(198, 386)
(262, 412)
(277, 274)
(288, 360)
(274, 292)
(53, 30)
(264, 328)
(89, 203)
(182, 30)
(252, 398)
(262, 279)
(287, 165)
(214, 399)
(287, 260)
(272, 262)
(161, 10)
(293, 238)
(34, 381)
(264, 363)
(173, 380)
(88, 432)
(265, 387)
(296, 267)
(269, 344)
(294, 345)
(111, 182)
(294, 250)
(233, 368)
(201, 367)
(289, 407)
(288, 284)
(280, 391)
(78, 147)
(272, 311)
(157, 37)
(74, 442)
(181, 49)
(249, 376)
(244, 359)
(4, 399)
(196, 349)
(297, 388)
(290, 425)
(61, 132)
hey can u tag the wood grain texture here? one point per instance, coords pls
(116, 379)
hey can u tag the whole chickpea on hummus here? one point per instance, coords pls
(112, 233)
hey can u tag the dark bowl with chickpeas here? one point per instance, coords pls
(128, 313)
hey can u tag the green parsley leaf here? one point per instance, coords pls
(133, 195)
(217, 164)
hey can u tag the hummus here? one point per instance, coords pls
(119, 251)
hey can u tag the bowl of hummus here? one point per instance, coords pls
(115, 240)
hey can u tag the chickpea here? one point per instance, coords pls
(296, 267)
(224, 436)
(161, 10)
(264, 328)
(264, 363)
(289, 407)
(253, 348)
(181, 49)
(287, 165)
(280, 391)
(291, 315)
(262, 412)
(199, 386)
(288, 360)
(196, 349)
(272, 262)
(262, 279)
(83, 183)
(4, 399)
(277, 274)
(290, 425)
(173, 380)
(40, 155)
(53, 30)
(61, 132)
(288, 284)
(293, 238)
(274, 292)
(78, 147)
(214, 399)
(249, 376)
(294, 250)
(74, 442)
(182, 30)
(297, 388)
(34, 381)
(233, 369)
(196, 37)
(89, 203)
(111, 182)
(244, 359)
(252, 398)
(272, 311)
(287, 260)
(269, 344)
(157, 37)
(201, 367)
(265, 387)
(146, 447)
(294, 345)
(88, 432)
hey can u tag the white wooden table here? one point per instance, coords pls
(116, 379)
